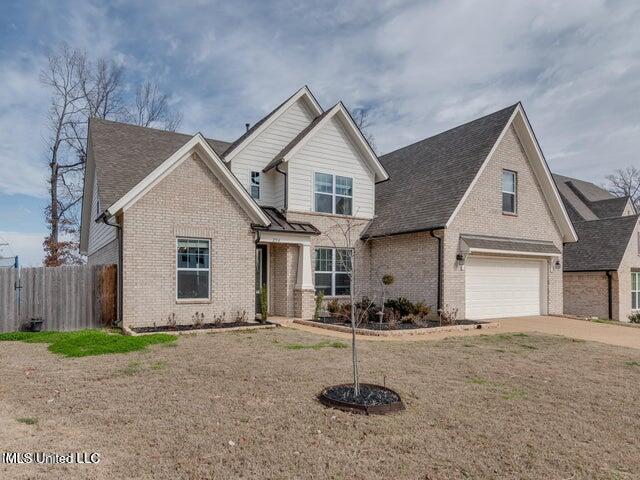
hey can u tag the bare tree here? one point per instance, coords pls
(63, 75)
(81, 90)
(152, 107)
(363, 122)
(349, 250)
(625, 183)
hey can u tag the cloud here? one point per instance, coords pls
(419, 67)
(27, 246)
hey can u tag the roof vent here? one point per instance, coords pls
(246, 125)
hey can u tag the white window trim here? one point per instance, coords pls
(635, 292)
(334, 195)
(259, 184)
(514, 193)
(333, 272)
(183, 269)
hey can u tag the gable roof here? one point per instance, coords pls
(259, 126)
(431, 179)
(197, 144)
(337, 111)
(587, 201)
(602, 244)
(125, 154)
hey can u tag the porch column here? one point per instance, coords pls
(304, 280)
(304, 294)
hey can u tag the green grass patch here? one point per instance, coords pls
(159, 365)
(632, 363)
(84, 343)
(315, 346)
(131, 369)
(27, 420)
(478, 381)
(529, 347)
(515, 394)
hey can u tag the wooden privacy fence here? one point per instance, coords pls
(66, 298)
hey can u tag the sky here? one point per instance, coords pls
(418, 67)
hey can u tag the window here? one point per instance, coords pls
(255, 185)
(332, 272)
(509, 183)
(635, 290)
(192, 269)
(333, 194)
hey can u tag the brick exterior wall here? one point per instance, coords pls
(331, 228)
(413, 261)
(105, 256)
(630, 262)
(481, 214)
(586, 294)
(189, 202)
(283, 266)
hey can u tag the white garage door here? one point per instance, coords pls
(504, 287)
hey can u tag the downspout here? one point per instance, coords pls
(286, 187)
(610, 293)
(103, 217)
(439, 279)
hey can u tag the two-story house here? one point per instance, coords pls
(468, 219)
(199, 225)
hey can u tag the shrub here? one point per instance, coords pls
(197, 319)
(413, 319)
(388, 279)
(334, 306)
(264, 309)
(634, 317)
(422, 309)
(401, 306)
(448, 315)
(171, 321)
(318, 309)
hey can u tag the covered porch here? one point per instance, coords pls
(283, 264)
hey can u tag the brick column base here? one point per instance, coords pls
(304, 303)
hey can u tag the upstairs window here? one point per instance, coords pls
(193, 269)
(255, 185)
(333, 194)
(509, 184)
(332, 271)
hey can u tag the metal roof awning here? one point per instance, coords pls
(279, 224)
(508, 246)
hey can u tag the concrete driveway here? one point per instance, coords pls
(623, 336)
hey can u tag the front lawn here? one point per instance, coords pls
(242, 405)
(85, 343)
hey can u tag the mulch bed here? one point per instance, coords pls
(384, 326)
(186, 328)
(373, 399)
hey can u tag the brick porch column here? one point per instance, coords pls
(304, 293)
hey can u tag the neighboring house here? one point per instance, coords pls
(601, 270)
(469, 219)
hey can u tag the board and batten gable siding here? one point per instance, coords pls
(264, 148)
(481, 214)
(622, 284)
(330, 150)
(100, 234)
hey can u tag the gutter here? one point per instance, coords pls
(103, 219)
(286, 186)
(610, 293)
(439, 279)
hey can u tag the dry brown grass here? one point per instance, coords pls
(503, 406)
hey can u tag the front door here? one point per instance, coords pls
(261, 273)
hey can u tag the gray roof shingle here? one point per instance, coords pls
(125, 154)
(429, 178)
(586, 201)
(601, 244)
